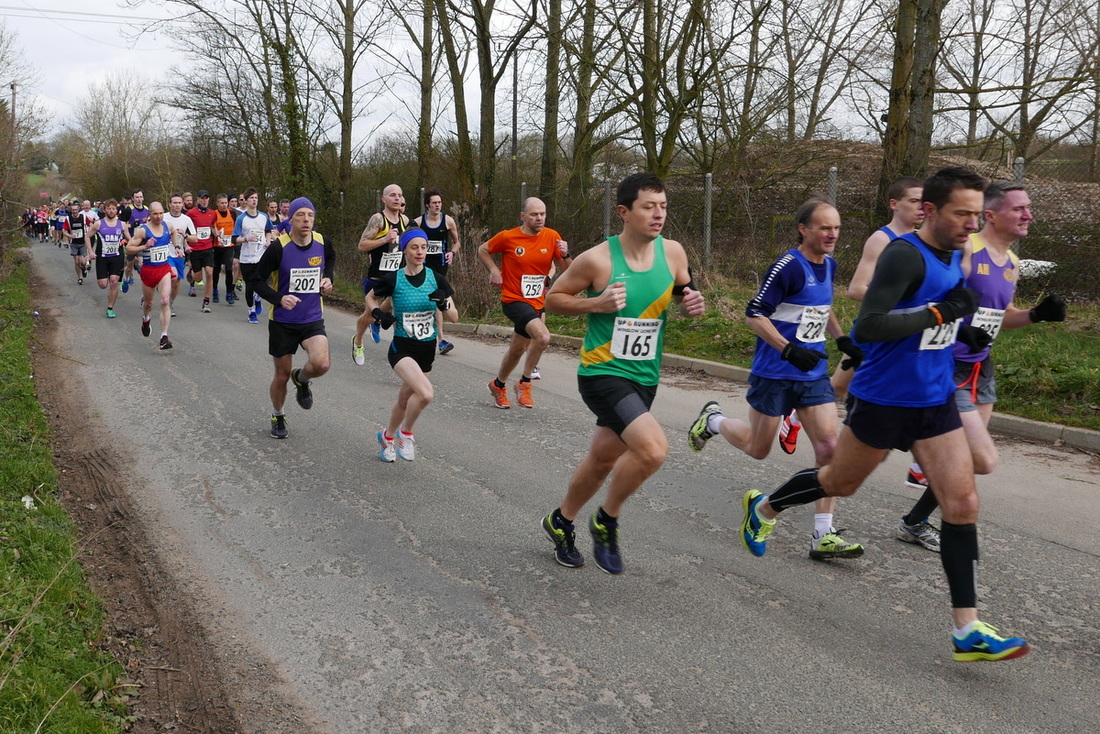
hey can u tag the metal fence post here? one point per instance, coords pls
(1018, 169)
(606, 209)
(522, 194)
(832, 184)
(708, 199)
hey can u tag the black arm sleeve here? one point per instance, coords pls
(384, 286)
(442, 284)
(330, 261)
(269, 263)
(898, 275)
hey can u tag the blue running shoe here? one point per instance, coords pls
(605, 545)
(125, 285)
(215, 298)
(983, 643)
(252, 318)
(754, 529)
(375, 332)
(445, 346)
(564, 539)
(259, 308)
(387, 452)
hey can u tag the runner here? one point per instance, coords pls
(631, 280)
(182, 228)
(526, 255)
(790, 315)
(153, 241)
(304, 263)
(59, 215)
(992, 272)
(903, 198)
(379, 239)
(134, 217)
(251, 233)
(225, 219)
(202, 250)
(76, 234)
(903, 398)
(108, 253)
(443, 245)
(417, 293)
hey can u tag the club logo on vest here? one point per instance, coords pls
(315, 260)
(520, 251)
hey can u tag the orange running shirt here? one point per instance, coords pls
(523, 255)
(223, 226)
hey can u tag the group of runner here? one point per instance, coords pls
(933, 301)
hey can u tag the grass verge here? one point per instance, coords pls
(52, 676)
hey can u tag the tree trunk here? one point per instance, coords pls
(548, 175)
(427, 82)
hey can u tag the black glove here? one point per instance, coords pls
(801, 357)
(1051, 308)
(959, 301)
(384, 319)
(975, 338)
(849, 347)
(439, 298)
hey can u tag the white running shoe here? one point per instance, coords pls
(406, 446)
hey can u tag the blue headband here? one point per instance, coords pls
(409, 235)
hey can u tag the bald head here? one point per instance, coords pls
(533, 216)
(393, 199)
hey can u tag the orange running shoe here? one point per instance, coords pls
(523, 394)
(500, 395)
(788, 434)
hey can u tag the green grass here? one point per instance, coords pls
(52, 676)
(1045, 372)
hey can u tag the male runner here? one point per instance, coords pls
(631, 280)
(134, 217)
(153, 241)
(380, 240)
(251, 233)
(526, 255)
(202, 251)
(443, 245)
(76, 234)
(903, 198)
(790, 315)
(108, 252)
(992, 271)
(304, 263)
(182, 229)
(903, 398)
(225, 219)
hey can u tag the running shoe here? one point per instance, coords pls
(191, 291)
(278, 426)
(983, 643)
(916, 480)
(215, 297)
(564, 538)
(445, 346)
(110, 313)
(304, 395)
(230, 298)
(406, 446)
(754, 529)
(145, 327)
(523, 394)
(535, 374)
(922, 533)
(205, 306)
(375, 332)
(240, 286)
(125, 285)
(172, 310)
(80, 281)
(387, 453)
(259, 306)
(252, 319)
(831, 545)
(500, 395)
(700, 432)
(164, 343)
(605, 545)
(788, 434)
(357, 354)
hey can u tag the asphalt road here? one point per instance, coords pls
(424, 597)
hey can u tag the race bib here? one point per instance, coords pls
(419, 324)
(204, 233)
(989, 320)
(225, 240)
(635, 339)
(110, 249)
(435, 247)
(532, 286)
(390, 261)
(305, 280)
(940, 336)
(158, 255)
(811, 329)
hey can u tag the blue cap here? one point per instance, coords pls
(301, 203)
(409, 235)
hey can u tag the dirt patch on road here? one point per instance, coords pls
(185, 681)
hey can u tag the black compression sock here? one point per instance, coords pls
(923, 508)
(801, 489)
(499, 384)
(959, 555)
(524, 378)
(604, 519)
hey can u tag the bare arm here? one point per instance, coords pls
(691, 301)
(369, 239)
(486, 258)
(872, 249)
(591, 271)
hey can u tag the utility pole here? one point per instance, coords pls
(14, 148)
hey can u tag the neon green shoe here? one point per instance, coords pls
(983, 643)
(700, 433)
(831, 545)
(755, 529)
